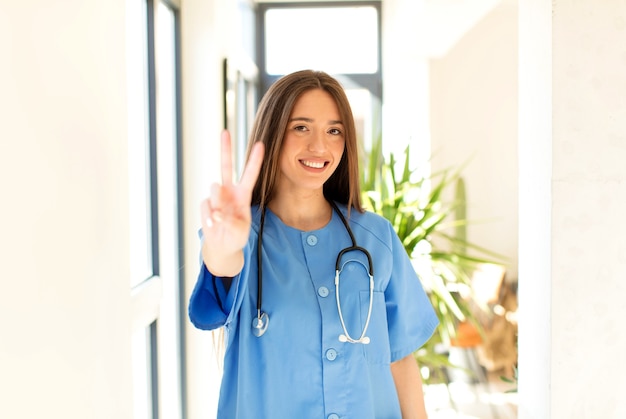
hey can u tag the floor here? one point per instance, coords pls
(465, 400)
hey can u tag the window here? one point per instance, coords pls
(340, 38)
(155, 213)
(350, 50)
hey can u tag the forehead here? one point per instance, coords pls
(316, 104)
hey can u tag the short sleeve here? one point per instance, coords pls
(410, 314)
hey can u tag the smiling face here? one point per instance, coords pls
(313, 143)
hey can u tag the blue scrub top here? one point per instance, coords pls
(299, 368)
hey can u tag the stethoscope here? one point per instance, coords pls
(261, 321)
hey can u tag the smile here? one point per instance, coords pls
(313, 164)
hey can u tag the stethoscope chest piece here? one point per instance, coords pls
(259, 324)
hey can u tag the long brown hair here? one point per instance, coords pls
(270, 125)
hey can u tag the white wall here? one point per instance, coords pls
(65, 302)
(65, 320)
(535, 208)
(450, 78)
(572, 201)
(473, 108)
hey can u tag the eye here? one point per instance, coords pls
(299, 128)
(335, 131)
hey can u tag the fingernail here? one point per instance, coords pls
(217, 216)
(209, 222)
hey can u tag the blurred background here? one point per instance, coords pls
(110, 114)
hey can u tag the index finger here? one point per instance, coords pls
(253, 166)
(227, 162)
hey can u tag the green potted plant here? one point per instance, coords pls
(432, 231)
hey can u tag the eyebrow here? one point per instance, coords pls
(309, 120)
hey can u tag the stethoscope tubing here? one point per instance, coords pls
(345, 337)
(261, 321)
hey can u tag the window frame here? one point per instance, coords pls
(371, 82)
(147, 294)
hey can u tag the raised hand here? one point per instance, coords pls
(226, 212)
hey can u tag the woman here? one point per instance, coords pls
(287, 257)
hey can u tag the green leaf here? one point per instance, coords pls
(417, 208)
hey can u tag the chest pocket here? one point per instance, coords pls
(355, 303)
(377, 351)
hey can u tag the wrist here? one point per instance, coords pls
(221, 265)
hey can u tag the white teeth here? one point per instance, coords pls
(315, 165)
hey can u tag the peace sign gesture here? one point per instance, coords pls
(226, 214)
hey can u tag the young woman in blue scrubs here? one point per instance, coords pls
(303, 341)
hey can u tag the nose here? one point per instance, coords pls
(317, 141)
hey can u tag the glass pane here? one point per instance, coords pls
(138, 142)
(241, 86)
(362, 103)
(166, 84)
(167, 145)
(142, 377)
(332, 39)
